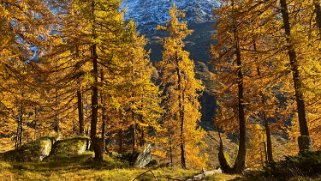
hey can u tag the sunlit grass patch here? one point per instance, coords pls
(108, 170)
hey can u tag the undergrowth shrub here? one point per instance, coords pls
(304, 164)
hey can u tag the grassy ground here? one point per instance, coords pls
(81, 169)
(257, 176)
(109, 171)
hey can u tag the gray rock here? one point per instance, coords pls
(45, 147)
(204, 174)
(145, 157)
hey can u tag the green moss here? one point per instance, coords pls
(33, 151)
(36, 151)
(69, 147)
(228, 158)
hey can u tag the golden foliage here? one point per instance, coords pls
(181, 90)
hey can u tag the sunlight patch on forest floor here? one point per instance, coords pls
(30, 171)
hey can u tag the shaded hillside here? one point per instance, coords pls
(198, 44)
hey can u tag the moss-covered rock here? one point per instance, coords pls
(70, 147)
(31, 152)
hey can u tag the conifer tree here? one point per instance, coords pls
(132, 96)
(87, 33)
(305, 35)
(23, 29)
(267, 43)
(247, 72)
(94, 43)
(181, 90)
(317, 10)
(304, 139)
(144, 101)
(230, 63)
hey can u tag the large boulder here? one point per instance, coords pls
(31, 152)
(70, 147)
(145, 157)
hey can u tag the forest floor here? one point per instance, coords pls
(82, 169)
(73, 170)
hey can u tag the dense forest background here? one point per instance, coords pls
(244, 84)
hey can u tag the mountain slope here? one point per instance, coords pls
(150, 13)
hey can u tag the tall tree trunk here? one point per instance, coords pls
(240, 159)
(80, 111)
(317, 10)
(80, 104)
(36, 117)
(265, 152)
(56, 124)
(133, 133)
(104, 113)
(120, 141)
(19, 128)
(20, 120)
(269, 148)
(181, 115)
(94, 97)
(304, 139)
(239, 165)
(225, 166)
(171, 149)
(142, 139)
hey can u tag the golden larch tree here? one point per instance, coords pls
(181, 93)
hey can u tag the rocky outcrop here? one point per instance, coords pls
(70, 147)
(145, 157)
(31, 152)
(48, 148)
